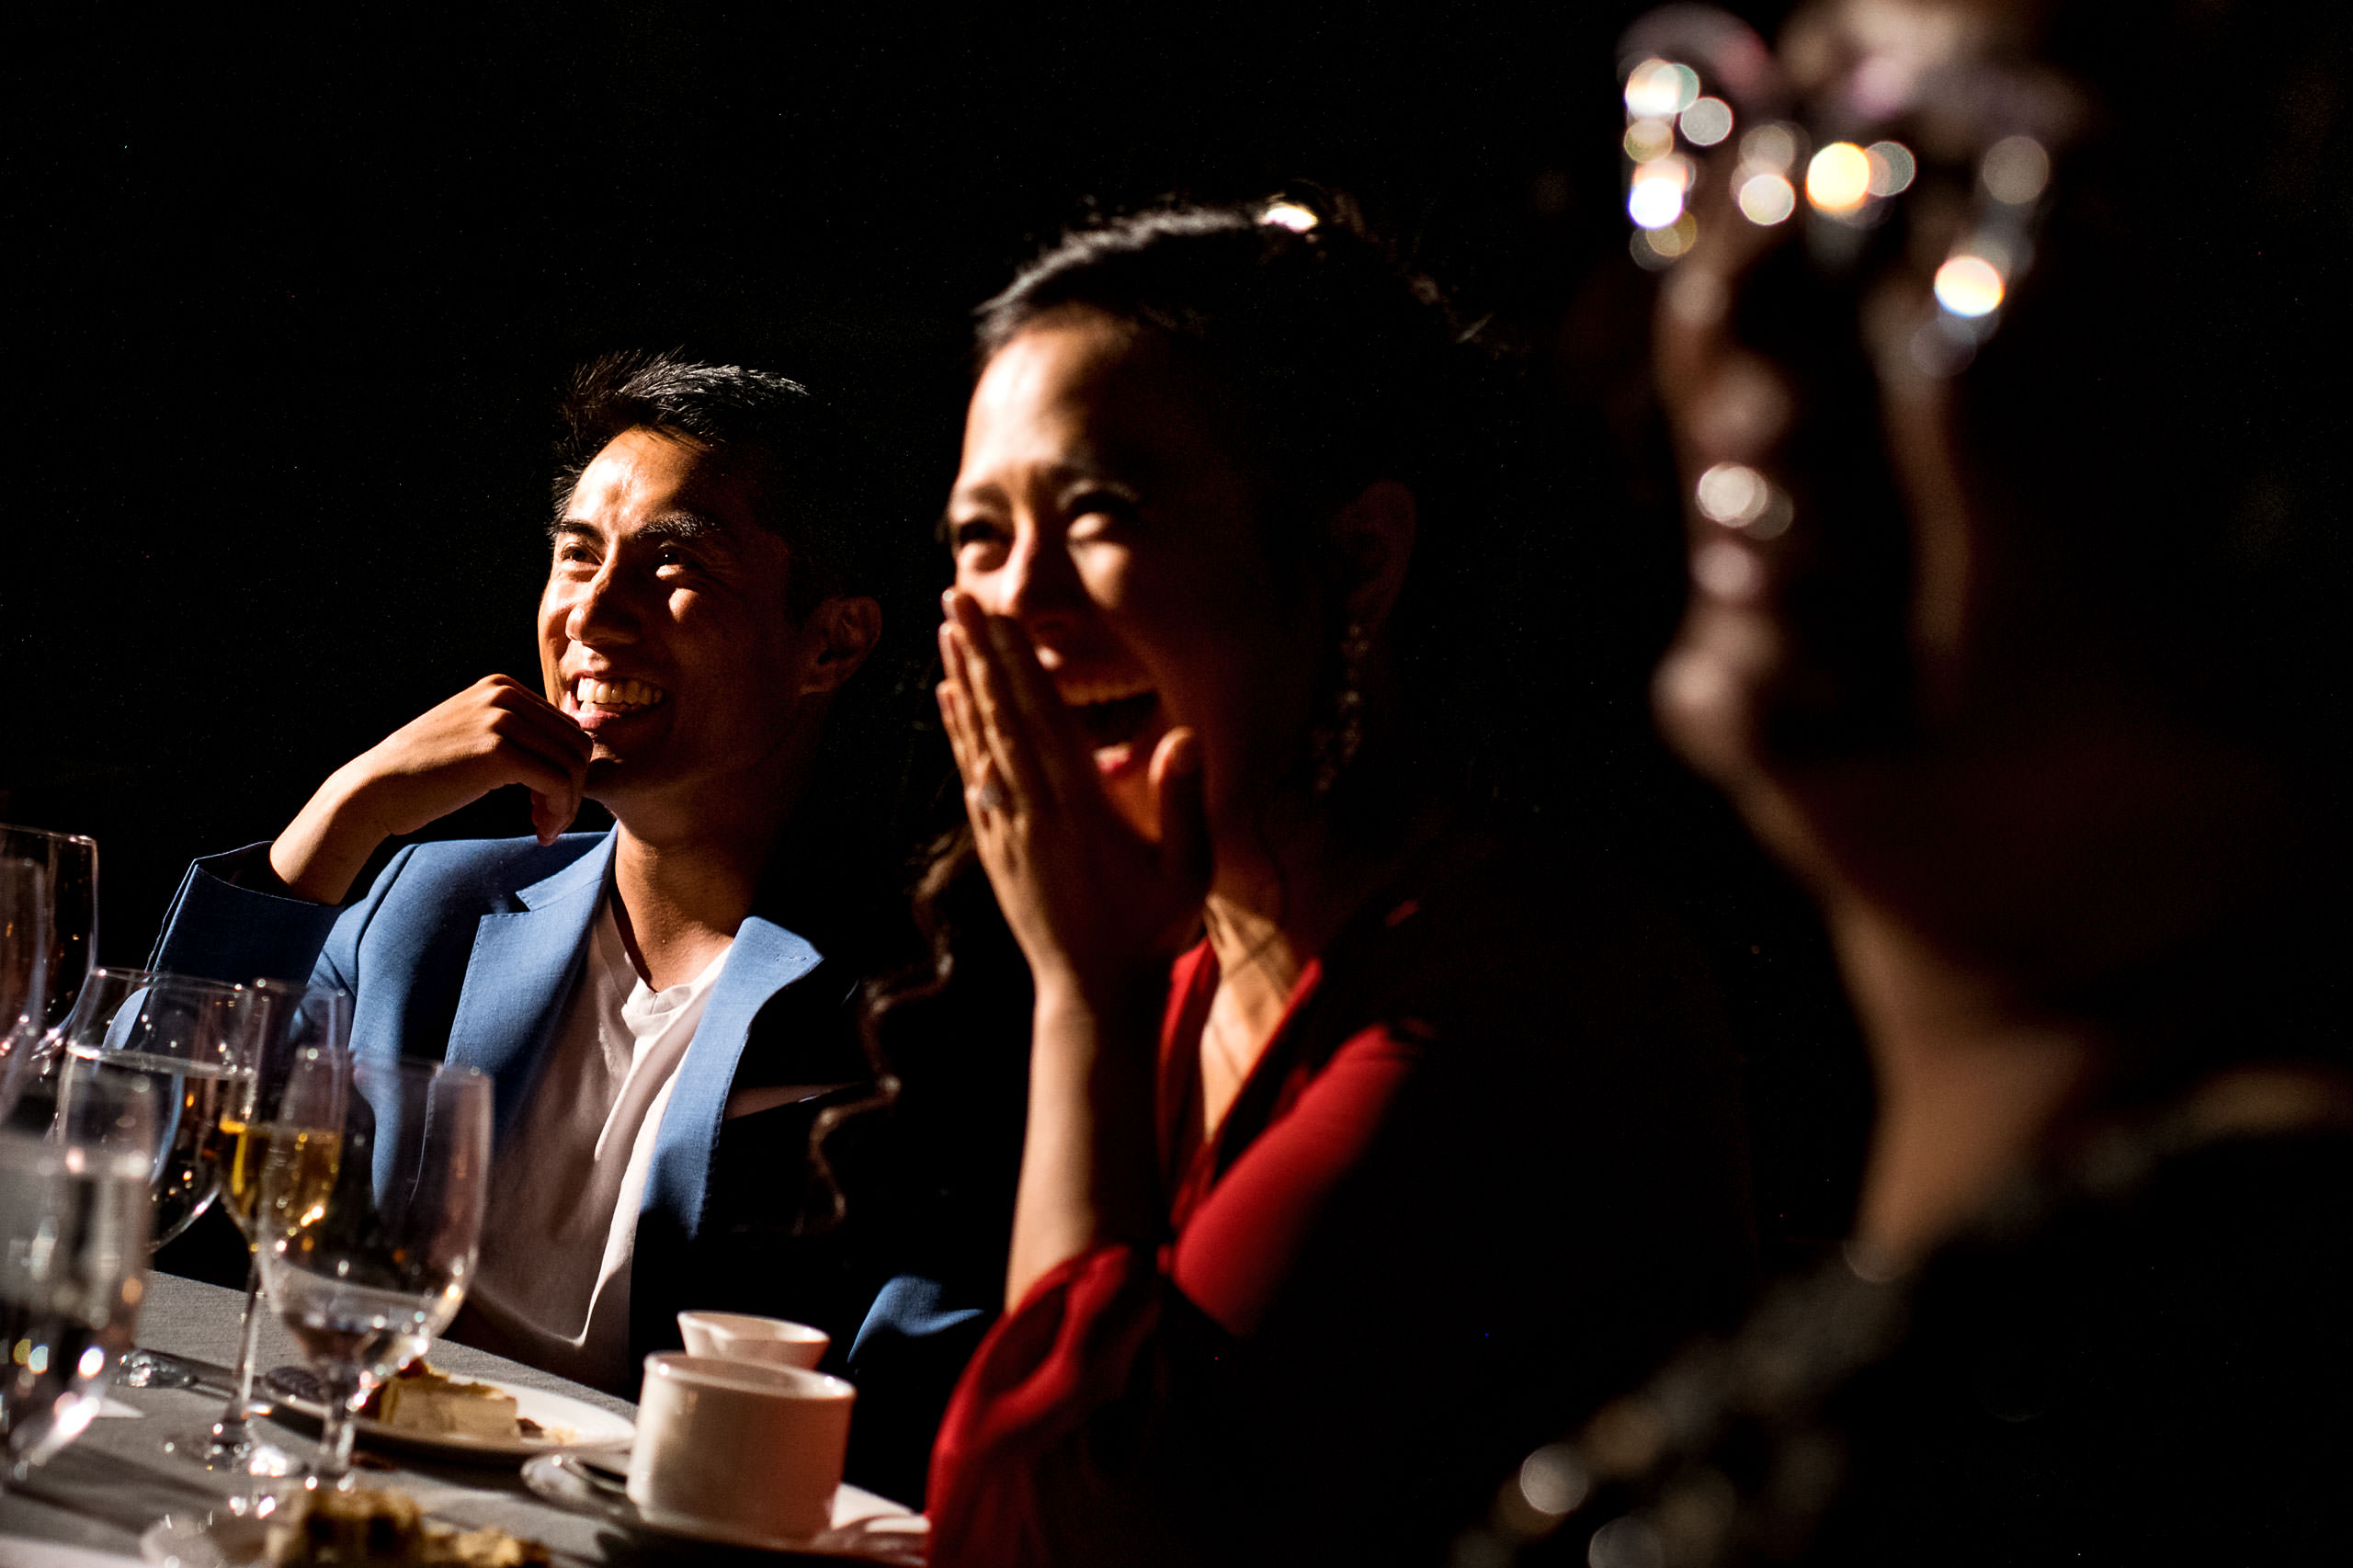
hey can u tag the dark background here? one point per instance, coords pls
(290, 299)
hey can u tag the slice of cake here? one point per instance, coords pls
(421, 1399)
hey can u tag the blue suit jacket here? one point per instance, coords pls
(467, 951)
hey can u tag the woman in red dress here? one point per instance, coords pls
(1436, 1131)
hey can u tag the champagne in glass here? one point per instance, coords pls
(286, 1023)
(366, 1276)
(73, 1213)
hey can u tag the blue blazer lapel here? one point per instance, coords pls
(765, 959)
(523, 966)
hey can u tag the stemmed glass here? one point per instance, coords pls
(183, 1037)
(287, 1023)
(370, 1219)
(24, 961)
(73, 1214)
(70, 865)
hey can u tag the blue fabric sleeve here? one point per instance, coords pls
(221, 930)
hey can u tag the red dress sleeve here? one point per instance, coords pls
(1105, 1341)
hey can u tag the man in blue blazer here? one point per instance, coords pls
(661, 1039)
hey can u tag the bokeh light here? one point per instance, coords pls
(1707, 121)
(2015, 170)
(1725, 571)
(1655, 248)
(1656, 198)
(1660, 89)
(1969, 286)
(1648, 140)
(1766, 199)
(1893, 168)
(1769, 147)
(1839, 178)
(1290, 215)
(1733, 494)
(1553, 1480)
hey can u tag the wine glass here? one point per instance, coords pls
(24, 960)
(181, 1034)
(70, 863)
(370, 1219)
(286, 1022)
(73, 1214)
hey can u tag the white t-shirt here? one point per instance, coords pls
(562, 1227)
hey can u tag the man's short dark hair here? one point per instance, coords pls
(782, 437)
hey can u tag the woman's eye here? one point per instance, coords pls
(970, 532)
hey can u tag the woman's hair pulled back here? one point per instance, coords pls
(1335, 367)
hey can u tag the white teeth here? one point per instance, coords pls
(587, 691)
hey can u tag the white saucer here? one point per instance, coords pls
(866, 1527)
(588, 1426)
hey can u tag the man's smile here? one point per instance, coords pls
(592, 702)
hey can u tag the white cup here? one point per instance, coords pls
(738, 1449)
(738, 1337)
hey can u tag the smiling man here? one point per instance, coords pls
(661, 1039)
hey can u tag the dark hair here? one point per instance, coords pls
(790, 446)
(1338, 366)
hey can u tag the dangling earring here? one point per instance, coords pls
(1336, 743)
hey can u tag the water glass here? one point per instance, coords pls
(73, 1214)
(181, 1034)
(69, 863)
(370, 1219)
(24, 964)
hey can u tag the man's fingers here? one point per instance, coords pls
(519, 710)
(550, 817)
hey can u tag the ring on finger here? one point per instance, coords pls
(991, 796)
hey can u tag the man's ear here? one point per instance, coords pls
(845, 630)
(1373, 540)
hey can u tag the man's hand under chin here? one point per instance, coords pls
(497, 731)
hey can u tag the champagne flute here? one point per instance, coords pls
(181, 1034)
(73, 1213)
(71, 864)
(287, 1022)
(367, 1257)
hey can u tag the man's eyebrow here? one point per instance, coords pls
(683, 527)
(671, 528)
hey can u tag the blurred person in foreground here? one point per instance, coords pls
(668, 1009)
(1363, 1124)
(2020, 547)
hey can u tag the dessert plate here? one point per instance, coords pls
(569, 1423)
(865, 1529)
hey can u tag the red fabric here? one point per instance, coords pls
(1478, 1179)
(1070, 1344)
(1076, 1331)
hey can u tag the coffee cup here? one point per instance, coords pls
(738, 1449)
(738, 1337)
